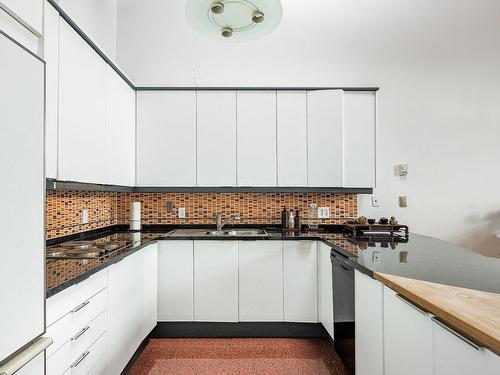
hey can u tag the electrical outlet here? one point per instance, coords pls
(182, 213)
(376, 257)
(85, 216)
(323, 212)
(375, 202)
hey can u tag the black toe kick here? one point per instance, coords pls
(241, 329)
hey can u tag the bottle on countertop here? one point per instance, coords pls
(291, 220)
(312, 216)
(297, 218)
(284, 218)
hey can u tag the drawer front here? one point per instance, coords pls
(88, 335)
(63, 302)
(71, 324)
(90, 357)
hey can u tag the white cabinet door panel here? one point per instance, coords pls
(166, 138)
(120, 131)
(82, 109)
(216, 281)
(216, 114)
(359, 139)
(51, 57)
(256, 138)
(325, 288)
(300, 264)
(150, 313)
(407, 337)
(34, 367)
(453, 356)
(291, 114)
(260, 281)
(27, 12)
(22, 289)
(324, 138)
(369, 320)
(175, 281)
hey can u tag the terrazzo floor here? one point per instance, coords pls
(238, 356)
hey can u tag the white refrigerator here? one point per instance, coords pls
(22, 195)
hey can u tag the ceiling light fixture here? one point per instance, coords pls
(234, 20)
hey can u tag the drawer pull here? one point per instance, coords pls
(80, 359)
(81, 332)
(79, 307)
(411, 304)
(455, 333)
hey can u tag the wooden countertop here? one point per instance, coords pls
(473, 313)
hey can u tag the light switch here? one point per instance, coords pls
(182, 213)
(85, 216)
(376, 257)
(375, 202)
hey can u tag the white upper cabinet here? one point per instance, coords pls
(408, 338)
(166, 138)
(359, 139)
(256, 138)
(27, 12)
(51, 57)
(82, 109)
(324, 138)
(300, 264)
(216, 281)
(216, 138)
(260, 281)
(120, 131)
(291, 114)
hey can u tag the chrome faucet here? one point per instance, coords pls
(220, 223)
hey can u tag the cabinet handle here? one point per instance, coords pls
(79, 307)
(80, 359)
(81, 332)
(455, 333)
(411, 304)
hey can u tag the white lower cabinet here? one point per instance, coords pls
(454, 355)
(408, 338)
(300, 264)
(260, 281)
(369, 320)
(325, 288)
(216, 281)
(150, 291)
(34, 367)
(175, 281)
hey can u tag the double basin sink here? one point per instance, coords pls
(236, 232)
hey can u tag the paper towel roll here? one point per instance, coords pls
(135, 216)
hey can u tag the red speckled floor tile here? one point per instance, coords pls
(238, 357)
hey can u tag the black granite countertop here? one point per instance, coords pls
(419, 257)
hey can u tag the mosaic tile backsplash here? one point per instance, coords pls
(64, 208)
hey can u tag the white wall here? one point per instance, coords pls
(437, 63)
(97, 18)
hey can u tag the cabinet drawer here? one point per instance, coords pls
(88, 335)
(66, 300)
(75, 321)
(86, 362)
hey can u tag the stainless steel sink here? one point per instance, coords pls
(245, 232)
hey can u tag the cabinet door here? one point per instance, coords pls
(300, 264)
(324, 138)
(369, 321)
(256, 138)
(21, 197)
(82, 109)
(325, 286)
(455, 356)
(34, 367)
(51, 57)
(260, 281)
(216, 136)
(166, 138)
(359, 139)
(175, 281)
(27, 12)
(216, 281)
(125, 309)
(292, 138)
(120, 131)
(407, 337)
(150, 312)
